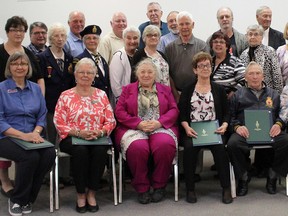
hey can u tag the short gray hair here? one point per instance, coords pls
(131, 29)
(260, 9)
(255, 27)
(86, 61)
(154, 3)
(37, 24)
(146, 61)
(53, 28)
(15, 56)
(184, 14)
(253, 63)
(149, 29)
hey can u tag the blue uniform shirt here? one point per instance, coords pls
(21, 109)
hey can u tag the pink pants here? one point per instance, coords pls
(162, 148)
(5, 164)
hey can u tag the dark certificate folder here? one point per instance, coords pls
(31, 146)
(259, 123)
(100, 141)
(206, 133)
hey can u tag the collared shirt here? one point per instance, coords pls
(74, 45)
(108, 45)
(165, 40)
(180, 56)
(265, 39)
(1, 41)
(21, 109)
(34, 49)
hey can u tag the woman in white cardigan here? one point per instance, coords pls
(120, 66)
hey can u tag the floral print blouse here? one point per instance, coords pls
(83, 113)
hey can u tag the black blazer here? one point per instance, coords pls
(56, 81)
(220, 103)
(275, 38)
(101, 82)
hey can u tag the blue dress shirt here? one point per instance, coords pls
(21, 109)
(74, 45)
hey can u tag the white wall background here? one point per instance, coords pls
(100, 12)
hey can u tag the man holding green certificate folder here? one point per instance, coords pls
(256, 96)
(200, 103)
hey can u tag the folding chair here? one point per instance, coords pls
(60, 154)
(252, 147)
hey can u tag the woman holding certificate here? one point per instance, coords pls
(23, 116)
(84, 112)
(204, 101)
(147, 114)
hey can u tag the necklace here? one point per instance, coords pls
(203, 89)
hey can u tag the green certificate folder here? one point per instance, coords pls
(259, 123)
(206, 133)
(100, 141)
(31, 146)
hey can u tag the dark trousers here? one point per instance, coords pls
(190, 161)
(31, 167)
(87, 164)
(239, 152)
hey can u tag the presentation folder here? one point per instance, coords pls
(206, 133)
(259, 123)
(100, 141)
(31, 146)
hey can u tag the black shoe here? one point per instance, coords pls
(80, 209)
(144, 198)
(197, 178)
(7, 194)
(271, 185)
(226, 196)
(91, 208)
(213, 167)
(242, 188)
(158, 194)
(191, 197)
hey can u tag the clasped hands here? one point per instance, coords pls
(33, 137)
(149, 126)
(89, 134)
(243, 131)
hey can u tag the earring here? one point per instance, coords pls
(93, 82)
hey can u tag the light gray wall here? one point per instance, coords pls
(100, 12)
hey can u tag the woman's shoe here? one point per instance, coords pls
(7, 194)
(91, 208)
(191, 197)
(81, 209)
(144, 198)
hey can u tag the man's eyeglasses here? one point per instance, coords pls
(39, 33)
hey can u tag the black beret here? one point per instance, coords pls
(91, 29)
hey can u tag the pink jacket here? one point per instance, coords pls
(127, 110)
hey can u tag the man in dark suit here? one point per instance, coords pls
(271, 36)
(91, 36)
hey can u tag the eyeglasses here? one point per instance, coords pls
(16, 30)
(202, 66)
(22, 64)
(251, 34)
(219, 42)
(82, 73)
(152, 35)
(38, 33)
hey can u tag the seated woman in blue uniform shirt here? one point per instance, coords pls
(23, 116)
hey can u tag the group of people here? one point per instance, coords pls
(156, 80)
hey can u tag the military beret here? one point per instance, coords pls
(91, 29)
